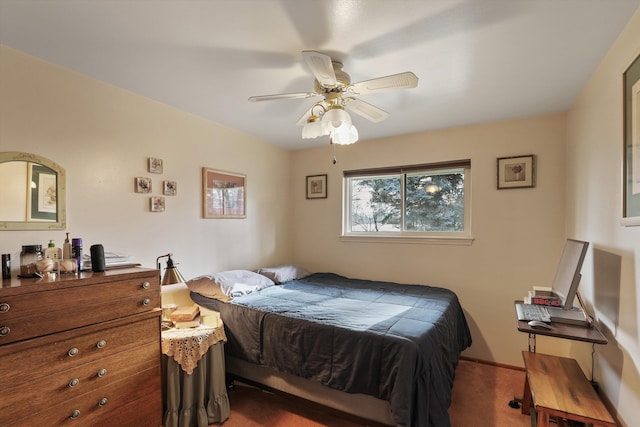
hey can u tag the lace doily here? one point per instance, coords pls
(188, 345)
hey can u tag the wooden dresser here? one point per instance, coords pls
(81, 350)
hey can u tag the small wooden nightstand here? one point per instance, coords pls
(556, 386)
(193, 376)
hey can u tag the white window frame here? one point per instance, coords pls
(443, 237)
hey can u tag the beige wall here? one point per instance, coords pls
(103, 135)
(519, 233)
(611, 273)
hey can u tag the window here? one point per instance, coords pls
(428, 200)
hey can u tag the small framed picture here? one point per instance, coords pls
(155, 165)
(169, 188)
(143, 185)
(517, 172)
(157, 204)
(317, 186)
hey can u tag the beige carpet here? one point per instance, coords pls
(481, 394)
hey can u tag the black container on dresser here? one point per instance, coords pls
(81, 350)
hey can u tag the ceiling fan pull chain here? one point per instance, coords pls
(334, 152)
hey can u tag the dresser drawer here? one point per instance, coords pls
(63, 351)
(48, 322)
(41, 313)
(61, 299)
(37, 395)
(141, 412)
(101, 407)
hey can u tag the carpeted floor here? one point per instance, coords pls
(481, 394)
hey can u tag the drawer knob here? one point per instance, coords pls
(146, 301)
(101, 344)
(4, 307)
(72, 352)
(74, 382)
(4, 330)
(103, 401)
(74, 414)
(102, 372)
(146, 285)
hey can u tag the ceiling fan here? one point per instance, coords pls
(328, 116)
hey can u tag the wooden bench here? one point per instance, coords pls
(556, 386)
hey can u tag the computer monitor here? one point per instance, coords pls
(567, 279)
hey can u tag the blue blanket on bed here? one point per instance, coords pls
(399, 343)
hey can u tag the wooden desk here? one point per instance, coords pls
(557, 387)
(561, 330)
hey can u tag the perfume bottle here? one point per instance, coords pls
(6, 266)
(76, 251)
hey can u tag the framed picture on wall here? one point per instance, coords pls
(224, 194)
(631, 152)
(156, 204)
(517, 172)
(317, 186)
(155, 165)
(143, 184)
(169, 188)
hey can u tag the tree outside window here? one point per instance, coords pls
(418, 202)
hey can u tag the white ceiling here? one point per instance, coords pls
(477, 60)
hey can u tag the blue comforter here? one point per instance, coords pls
(399, 343)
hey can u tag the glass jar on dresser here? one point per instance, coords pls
(81, 350)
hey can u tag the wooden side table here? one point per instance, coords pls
(557, 387)
(193, 376)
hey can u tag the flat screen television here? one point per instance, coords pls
(565, 284)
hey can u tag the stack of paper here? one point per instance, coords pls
(111, 259)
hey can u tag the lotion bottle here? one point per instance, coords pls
(66, 248)
(52, 252)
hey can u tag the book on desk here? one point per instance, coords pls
(543, 295)
(552, 305)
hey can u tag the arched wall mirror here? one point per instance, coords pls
(33, 193)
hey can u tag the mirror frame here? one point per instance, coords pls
(61, 192)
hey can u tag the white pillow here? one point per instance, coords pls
(234, 283)
(205, 285)
(283, 273)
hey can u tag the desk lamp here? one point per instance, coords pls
(171, 274)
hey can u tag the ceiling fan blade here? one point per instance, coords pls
(366, 110)
(321, 67)
(284, 96)
(405, 80)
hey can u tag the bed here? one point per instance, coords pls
(387, 351)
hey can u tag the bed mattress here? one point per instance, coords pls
(399, 343)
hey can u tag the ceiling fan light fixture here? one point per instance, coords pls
(328, 117)
(314, 128)
(344, 135)
(337, 117)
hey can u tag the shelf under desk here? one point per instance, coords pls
(556, 387)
